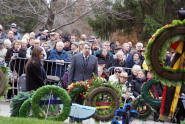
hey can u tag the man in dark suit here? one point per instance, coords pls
(83, 66)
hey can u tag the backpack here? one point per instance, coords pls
(22, 83)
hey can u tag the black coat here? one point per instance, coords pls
(136, 86)
(35, 76)
(17, 64)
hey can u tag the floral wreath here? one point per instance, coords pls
(59, 92)
(156, 52)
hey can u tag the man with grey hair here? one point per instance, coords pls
(105, 45)
(83, 65)
(36, 43)
(127, 54)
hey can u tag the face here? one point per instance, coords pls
(122, 79)
(52, 37)
(36, 44)
(17, 46)
(106, 46)
(135, 72)
(139, 47)
(136, 57)
(41, 55)
(59, 47)
(14, 29)
(7, 45)
(120, 57)
(67, 44)
(73, 47)
(45, 46)
(117, 73)
(104, 52)
(126, 47)
(10, 35)
(100, 71)
(73, 38)
(86, 49)
(141, 75)
(24, 45)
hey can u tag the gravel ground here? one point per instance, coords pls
(5, 111)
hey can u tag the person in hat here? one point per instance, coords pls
(41, 32)
(52, 41)
(115, 77)
(74, 50)
(13, 28)
(42, 40)
(2, 51)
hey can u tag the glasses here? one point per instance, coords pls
(117, 71)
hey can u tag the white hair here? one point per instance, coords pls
(139, 44)
(26, 36)
(60, 43)
(24, 41)
(7, 41)
(37, 40)
(136, 67)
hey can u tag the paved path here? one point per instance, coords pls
(5, 111)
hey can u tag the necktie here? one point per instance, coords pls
(86, 60)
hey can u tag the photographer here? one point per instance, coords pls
(15, 51)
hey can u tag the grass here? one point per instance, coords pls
(15, 120)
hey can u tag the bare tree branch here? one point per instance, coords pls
(66, 7)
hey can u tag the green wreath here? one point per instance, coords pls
(146, 95)
(59, 92)
(156, 51)
(25, 108)
(17, 101)
(140, 103)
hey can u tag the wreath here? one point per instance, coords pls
(17, 101)
(77, 90)
(25, 108)
(143, 109)
(105, 111)
(156, 51)
(58, 92)
(146, 95)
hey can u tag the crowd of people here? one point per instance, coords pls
(110, 61)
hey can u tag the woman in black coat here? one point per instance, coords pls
(35, 73)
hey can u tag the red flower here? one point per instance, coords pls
(86, 86)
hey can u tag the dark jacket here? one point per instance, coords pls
(81, 72)
(108, 59)
(136, 86)
(17, 64)
(35, 76)
(116, 63)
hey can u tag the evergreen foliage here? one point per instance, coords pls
(144, 16)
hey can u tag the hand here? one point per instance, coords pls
(13, 58)
(58, 61)
(183, 94)
(61, 61)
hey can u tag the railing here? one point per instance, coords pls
(17, 68)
